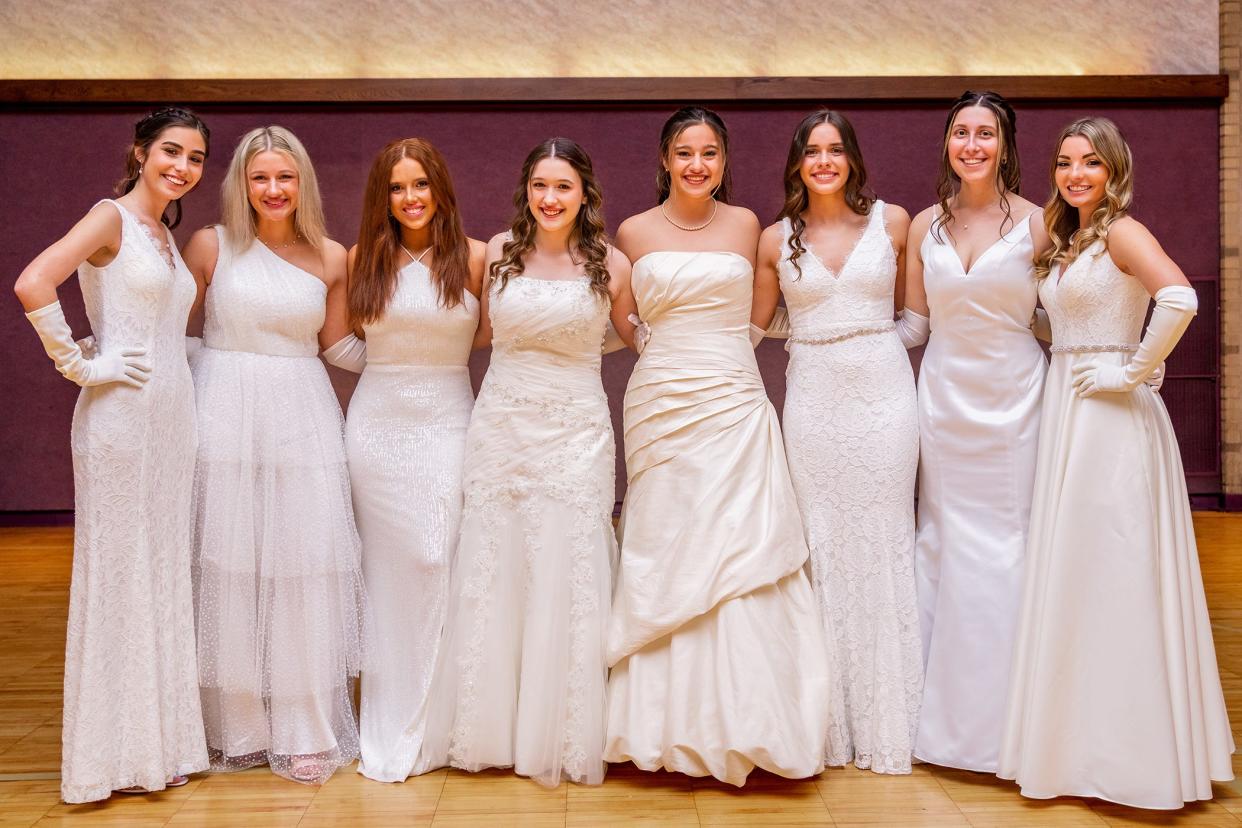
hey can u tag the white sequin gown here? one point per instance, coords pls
(521, 677)
(980, 386)
(1115, 691)
(406, 437)
(131, 710)
(277, 576)
(852, 437)
(717, 650)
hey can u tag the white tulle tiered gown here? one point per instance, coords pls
(852, 436)
(718, 654)
(406, 438)
(277, 575)
(1115, 691)
(521, 675)
(131, 710)
(979, 389)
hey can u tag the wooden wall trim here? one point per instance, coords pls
(540, 90)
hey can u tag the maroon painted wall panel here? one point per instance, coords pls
(55, 163)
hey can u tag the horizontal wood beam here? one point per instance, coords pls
(619, 90)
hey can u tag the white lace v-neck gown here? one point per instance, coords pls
(979, 391)
(1115, 691)
(277, 576)
(131, 709)
(406, 440)
(521, 673)
(718, 654)
(852, 437)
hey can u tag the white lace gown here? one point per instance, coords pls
(1115, 691)
(131, 709)
(521, 674)
(718, 654)
(406, 439)
(277, 576)
(852, 437)
(979, 391)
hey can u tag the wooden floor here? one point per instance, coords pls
(34, 573)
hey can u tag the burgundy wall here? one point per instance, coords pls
(56, 163)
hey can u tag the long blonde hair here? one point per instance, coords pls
(236, 214)
(1068, 239)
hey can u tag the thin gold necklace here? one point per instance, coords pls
(669, 219)
(274, 247)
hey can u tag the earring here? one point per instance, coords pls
(140, 169)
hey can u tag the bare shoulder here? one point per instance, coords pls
(351, 257)
(617, 259)
(741, 216)
(921, 223)
(204, 239)
(1020, 208)
(476, 250)
(1128, 239)
(770, 241)
(896, 216)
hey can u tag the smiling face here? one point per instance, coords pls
(695, 162)
(825, 164)
(1080, 174)
(272, 185)
(554, 193)
(974, 144)
(173, 164)
(410, 199)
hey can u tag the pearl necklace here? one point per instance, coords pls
(419, 258)
(669, 219)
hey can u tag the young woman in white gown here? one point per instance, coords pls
(521, 673)
(718, 655)
(851, 433)
(277, 576)
(131, 709)
(1115, 690)
(414, 283)
(970, 268)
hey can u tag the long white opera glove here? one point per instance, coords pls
(126, 365)
(642, 333)
(348, 352)
(1175, 307)
(778, 328)
(913, 329)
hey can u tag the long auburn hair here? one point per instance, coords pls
(146, 131)
(676, 124)
(238, 216)
(588, 238)
(376, 263)
(1008, 174)
(857, 196)
(1069, 240)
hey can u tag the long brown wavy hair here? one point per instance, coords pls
(1069, 240)
(676, 124)
(1008, 174)
(588, 238)
(376, 264)
(857, 196)
(146, 131)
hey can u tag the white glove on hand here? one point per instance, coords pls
(913, 329)
(642, 332)
(193, 344)
(1175, 307)
(348, 352)
(87, 344)
(778, 328)
(1156, 381)
(126, 366)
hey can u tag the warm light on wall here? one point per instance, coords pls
(51, 39)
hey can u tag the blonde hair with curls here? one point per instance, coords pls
(239, 218)
(1069, 240)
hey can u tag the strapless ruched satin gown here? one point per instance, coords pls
(716, 646)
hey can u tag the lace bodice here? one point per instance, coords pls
(417, 330)
(1093, 304)
(557, 321)
(862, 292)
(261, 304)
(137, 299)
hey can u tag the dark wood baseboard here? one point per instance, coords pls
(608, 90)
